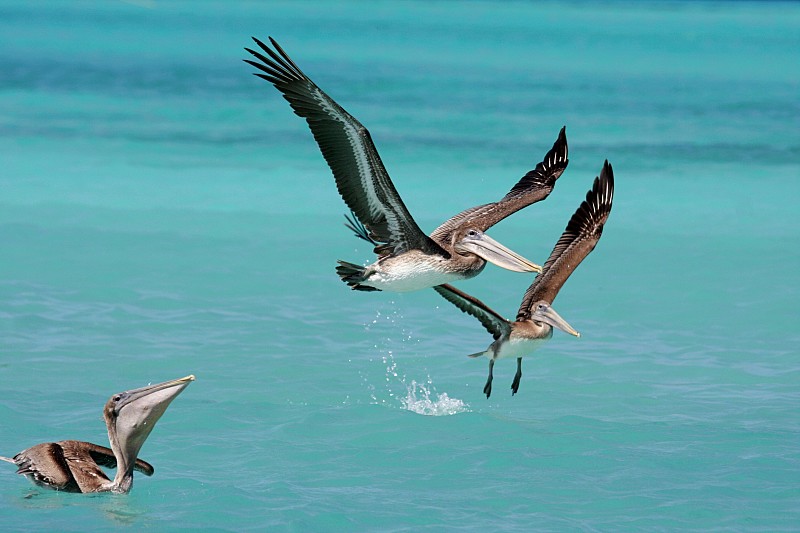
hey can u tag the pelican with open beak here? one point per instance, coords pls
(74, 466)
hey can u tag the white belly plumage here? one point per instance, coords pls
(410, 273)
(519, 347)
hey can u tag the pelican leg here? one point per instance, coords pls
(517, 376)
(487, 389)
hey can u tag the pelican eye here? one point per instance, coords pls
(117, 397)
(472, 233)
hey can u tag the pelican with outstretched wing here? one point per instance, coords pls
(536, 317)
(408, 260)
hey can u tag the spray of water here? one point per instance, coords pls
(395, 389)
(418, 400)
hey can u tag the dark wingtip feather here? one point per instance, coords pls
(544, 176)
(595, 209)
(276, 45)
(276, 62)
(603, 187)
(259, 43)
(560, 148)
(607, 173)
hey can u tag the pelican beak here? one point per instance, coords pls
(548, 315)
(154, 394)
(136, 413)
(483, 246)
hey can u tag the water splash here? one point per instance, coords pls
(393, 388)
(423, 405)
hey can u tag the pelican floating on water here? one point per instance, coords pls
(536, 318)
(408, 260)
(74, 466)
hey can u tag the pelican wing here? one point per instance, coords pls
(578, 240)
(46, 465)
(85, 470)
(493, 322)
(105, 457)
(346, 144)
(534, 187)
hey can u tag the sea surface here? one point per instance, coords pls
(163, 213)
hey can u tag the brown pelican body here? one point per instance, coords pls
(536, 318)
(74, 466)
(408, 260)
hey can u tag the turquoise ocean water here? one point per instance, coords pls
(162, 212)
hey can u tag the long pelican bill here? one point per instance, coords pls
(131, 416)
(489, 249)
(137, 394)
(545, 313)
(74, 466)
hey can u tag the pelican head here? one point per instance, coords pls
(474, 241)
(543, 312)
(130, 417)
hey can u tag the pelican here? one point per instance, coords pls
(536, 317)
(408, 260)
(74, 466)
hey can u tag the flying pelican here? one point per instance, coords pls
(74, 466)
(408, 260)
(536, 318)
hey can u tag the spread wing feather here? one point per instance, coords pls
(493, 322)
(533, 187)
(578, 240)
(346, 144)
